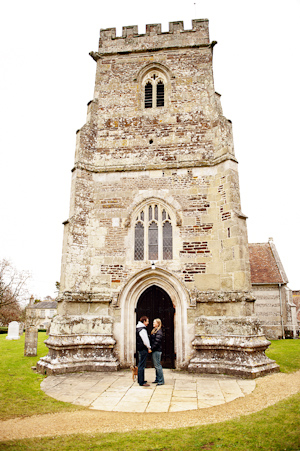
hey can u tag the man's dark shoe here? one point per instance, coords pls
(155, 382)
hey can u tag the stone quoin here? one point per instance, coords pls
(155, 225)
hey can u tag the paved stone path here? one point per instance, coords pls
(117, 392)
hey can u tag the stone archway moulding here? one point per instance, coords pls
(147, 198)
(154, 66)
(125, 332)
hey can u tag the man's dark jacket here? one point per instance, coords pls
(139, 342)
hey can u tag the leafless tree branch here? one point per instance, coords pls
(12, 283)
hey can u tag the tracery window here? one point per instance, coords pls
(154, 90)
(153, 239)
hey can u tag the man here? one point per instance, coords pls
(143, 347)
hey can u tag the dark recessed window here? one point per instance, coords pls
(154, 92)
(148, 95)
(160, 94)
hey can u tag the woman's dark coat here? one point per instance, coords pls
(156, 341)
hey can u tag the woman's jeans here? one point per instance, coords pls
(156, 356)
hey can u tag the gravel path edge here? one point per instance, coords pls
(269, 390)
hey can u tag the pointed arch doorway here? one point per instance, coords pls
(155, 302)
(124, 331)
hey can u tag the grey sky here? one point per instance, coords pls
(47, 78)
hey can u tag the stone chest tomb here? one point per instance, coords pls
(155, 225)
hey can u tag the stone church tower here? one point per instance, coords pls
(155, 225)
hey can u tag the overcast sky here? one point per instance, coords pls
(47, 78)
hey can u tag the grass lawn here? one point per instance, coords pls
(273, 429)
(286, 353)
(20, 386)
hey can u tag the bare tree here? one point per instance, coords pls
(11, 312)
(12, 288)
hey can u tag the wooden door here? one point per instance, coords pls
(156, 303)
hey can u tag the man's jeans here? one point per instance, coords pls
(156, 356)
(141, 366)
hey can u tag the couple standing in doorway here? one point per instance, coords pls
(144, 346)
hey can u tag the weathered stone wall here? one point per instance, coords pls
(179, 156)
(188, 131)
(273, 307)
(182, 152)
(296, 301)
(209, 251)
(267, 308)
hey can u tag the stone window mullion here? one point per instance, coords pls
(160, 238)
(154, 95)
(146, 213)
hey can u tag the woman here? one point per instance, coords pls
(156, 346)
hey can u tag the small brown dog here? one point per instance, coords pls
(134, 370)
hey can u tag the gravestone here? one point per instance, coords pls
(31, 340)
(21, 329)
(13, 331)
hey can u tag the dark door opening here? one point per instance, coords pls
(156, 303)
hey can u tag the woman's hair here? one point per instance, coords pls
(155, 329)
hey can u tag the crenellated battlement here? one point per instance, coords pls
(154, 38)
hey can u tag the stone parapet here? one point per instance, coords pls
(88, 297)
(81, 324)
(240, 364)
(101, 340)
(79, 352)
(228, 326)
(221, 296)
(83, 361)
(131, 41)
(233, 346)
(79, 343)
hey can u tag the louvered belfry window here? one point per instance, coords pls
(148, 95)
(160, 94)
(153, 238)
(154, 91)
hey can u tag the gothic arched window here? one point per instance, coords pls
(153, 233)
(154, 90)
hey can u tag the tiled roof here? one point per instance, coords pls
(265, 264)
(45, 304)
